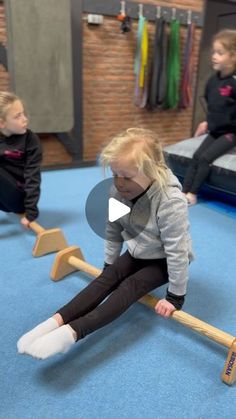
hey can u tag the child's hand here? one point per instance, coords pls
(25, 222)
(201, 129)
(164, 308)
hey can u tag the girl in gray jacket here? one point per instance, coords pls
(158, 247)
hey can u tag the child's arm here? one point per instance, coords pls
(113, 242)
(113, 237)
(173, 225)
(32, 177)
(203, 126)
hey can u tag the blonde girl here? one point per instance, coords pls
(20, 158)
(158, 247)
(220, 95)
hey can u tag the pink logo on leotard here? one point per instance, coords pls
(229, 136)
(226, 90)
(13, 154)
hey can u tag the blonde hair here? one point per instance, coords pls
(227, 37)
(143, 147)
(6, 101)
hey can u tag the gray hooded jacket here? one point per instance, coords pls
(157, 227)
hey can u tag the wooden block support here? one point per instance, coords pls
(71, 259)
(62, 264)
(47, 241)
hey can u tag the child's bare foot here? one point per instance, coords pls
(192, 198)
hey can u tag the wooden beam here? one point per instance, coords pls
(70, 259)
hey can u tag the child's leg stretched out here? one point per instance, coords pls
(84, 302)
(151, 274)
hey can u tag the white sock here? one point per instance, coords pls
(57, 341)
(28, 338)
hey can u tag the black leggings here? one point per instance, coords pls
(123, 283)
(11, 193)
(199, 168)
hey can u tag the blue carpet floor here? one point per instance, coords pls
(141, 366)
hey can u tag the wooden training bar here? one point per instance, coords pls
(71, 259)
(47, 241)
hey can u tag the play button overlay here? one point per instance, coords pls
(105, 203)
(116, 209)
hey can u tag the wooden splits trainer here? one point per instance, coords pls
(47, 241)
(71, 259)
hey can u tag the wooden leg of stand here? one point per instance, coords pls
(49, 241)
(229, 372)
(61, 266)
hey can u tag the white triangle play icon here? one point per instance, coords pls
(116, 210)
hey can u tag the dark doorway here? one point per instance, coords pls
(219, 14)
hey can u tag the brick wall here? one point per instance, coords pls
(108, 84)
(108, 87)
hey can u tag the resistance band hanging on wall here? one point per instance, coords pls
(161, 66)
(186, 82)
(173, 66)
(158, 79)
(141, 62)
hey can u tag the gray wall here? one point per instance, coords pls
(39, 54)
